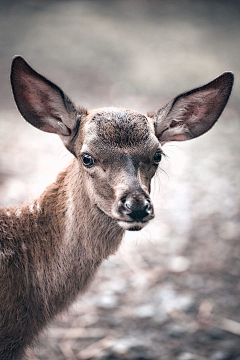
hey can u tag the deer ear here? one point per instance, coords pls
(42, 103)
(193, 113)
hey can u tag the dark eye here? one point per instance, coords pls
(157, 157)
(87, 160)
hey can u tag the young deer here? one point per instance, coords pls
(51, 249)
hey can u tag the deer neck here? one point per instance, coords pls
(66, 238)
(80, 224)
(57, 243)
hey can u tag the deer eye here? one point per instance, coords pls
(157, 157)
(87, 160)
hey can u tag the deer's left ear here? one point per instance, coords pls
(193, 113)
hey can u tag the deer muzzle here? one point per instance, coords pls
(134, 210)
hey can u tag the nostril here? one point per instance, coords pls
(147, 207)
(137, 210)
(128, 206)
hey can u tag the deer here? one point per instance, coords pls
(51, 249)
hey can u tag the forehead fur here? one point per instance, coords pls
(121, 127)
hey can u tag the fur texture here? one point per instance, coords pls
(50, 249)
(50, 255)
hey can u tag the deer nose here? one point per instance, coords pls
(137, 209)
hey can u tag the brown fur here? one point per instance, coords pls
(50, 249)
(43, 271)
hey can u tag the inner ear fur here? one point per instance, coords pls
(42, 103)
(193, 113)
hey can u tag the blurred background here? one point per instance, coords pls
(172, 291)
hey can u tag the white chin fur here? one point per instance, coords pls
(131, 226)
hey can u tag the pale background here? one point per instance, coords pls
(171, 290)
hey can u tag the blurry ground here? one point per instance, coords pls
(173, 290)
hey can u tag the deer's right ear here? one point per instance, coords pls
(42, 103)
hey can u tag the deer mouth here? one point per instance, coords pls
(135, 228)
(132, 225)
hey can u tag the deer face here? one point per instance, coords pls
(120, 154)
(118, 150)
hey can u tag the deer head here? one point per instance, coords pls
(117, 150)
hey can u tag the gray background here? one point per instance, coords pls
(171, 290)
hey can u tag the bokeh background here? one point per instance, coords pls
(172, 291)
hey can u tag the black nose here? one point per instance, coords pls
(137, 210)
